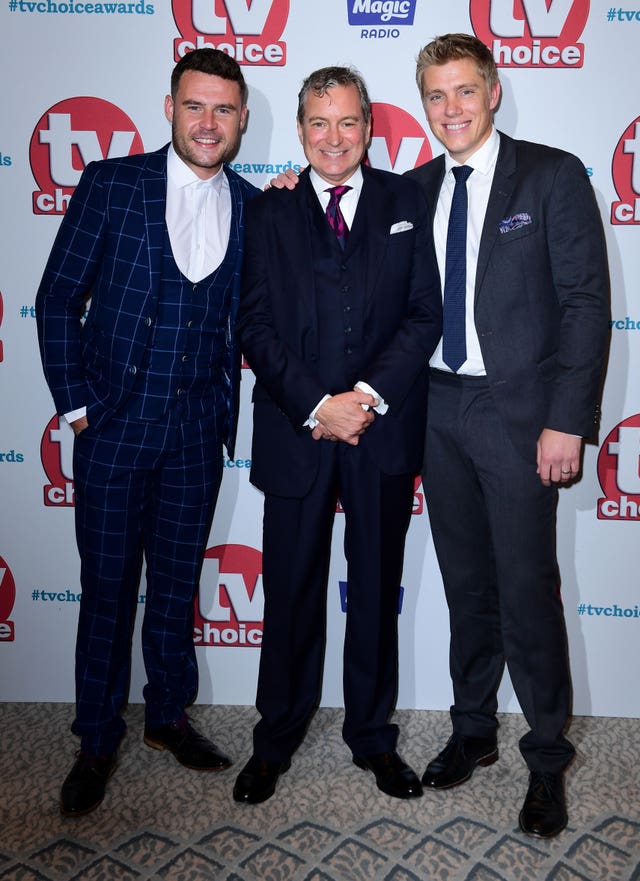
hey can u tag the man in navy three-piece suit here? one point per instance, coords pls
(514, 391)
(149, 385)
(340, 311)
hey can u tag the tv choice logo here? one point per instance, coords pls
(68, 136)
(56, 453)
(625, 171)
(249, 32)
(532, 33)
(398, 141)
(229, 606)
(619, 472)
(7, 599)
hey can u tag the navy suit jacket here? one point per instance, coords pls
(109, 248)
(391, 261)
(542, 291)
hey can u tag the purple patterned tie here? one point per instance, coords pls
(334, 214)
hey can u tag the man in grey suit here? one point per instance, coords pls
(513, 393)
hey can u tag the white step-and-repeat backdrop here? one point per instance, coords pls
(86, 80)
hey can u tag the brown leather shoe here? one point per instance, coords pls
(393, 776)
(544, 812)
(458, 760)
(85, 784)
(190, 748)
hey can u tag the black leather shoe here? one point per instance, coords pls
(393, 776)
(457, 761)
(189, 747)
(257, 780)
(544, 812)
(84, 787)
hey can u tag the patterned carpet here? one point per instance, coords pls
(327, 822)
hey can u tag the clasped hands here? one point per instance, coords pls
(344, 417)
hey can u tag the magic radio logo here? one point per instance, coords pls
(7, 599)
(619, 472)
(532, 33)
(229, 606)
(626, 176)
(249, 32)
(398, 141)
(56, 453)
(67, 137)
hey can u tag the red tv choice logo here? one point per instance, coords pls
(619, 472)
(248, 32)
(229, 607)
(532, 33)
(398, 142)
(7, 599)
(625, 170)
(66, 138)
(56, 453)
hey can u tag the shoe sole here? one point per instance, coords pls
(540, 835)
(156, 744)
(483, 762)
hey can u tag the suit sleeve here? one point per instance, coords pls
(66, 284)
(395, 368)
(278, 368)
(580, 275)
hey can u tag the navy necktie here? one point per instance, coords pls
(334, 214)
(454, 345)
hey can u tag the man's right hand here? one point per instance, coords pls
(343, 418)
(288, 180)
(79, 425)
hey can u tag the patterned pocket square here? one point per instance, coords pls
(514, 222)
(400, 226)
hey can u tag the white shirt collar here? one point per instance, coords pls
(484, 159)
(180, 175)
(320, 185)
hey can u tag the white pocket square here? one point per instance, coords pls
(400, 226)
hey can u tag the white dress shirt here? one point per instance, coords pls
(198, 217)
(348, 205)
(479, 183)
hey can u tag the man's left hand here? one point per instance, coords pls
(558, 456)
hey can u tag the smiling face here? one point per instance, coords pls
(207, 117)
(459, 106)
(333, 133)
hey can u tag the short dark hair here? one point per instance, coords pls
(327, 78)
(211, 61)
(456, 47)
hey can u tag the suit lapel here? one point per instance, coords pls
(369, 236)
(501, 190)
(154, 199)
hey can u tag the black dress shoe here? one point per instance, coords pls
(457, 761)
(84, 787)
(257, 780)
(544, 812)
(393, 776)
(189, 747)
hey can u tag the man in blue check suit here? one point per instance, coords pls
(340, 311)
(514, 391)
(149, 385)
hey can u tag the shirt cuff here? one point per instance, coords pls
(312, 421)
(72, 415)
(381, 407)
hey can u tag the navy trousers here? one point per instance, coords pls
(493, 526)
(141, 488)
(296, 549)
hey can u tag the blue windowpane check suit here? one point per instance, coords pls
(156, 365)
